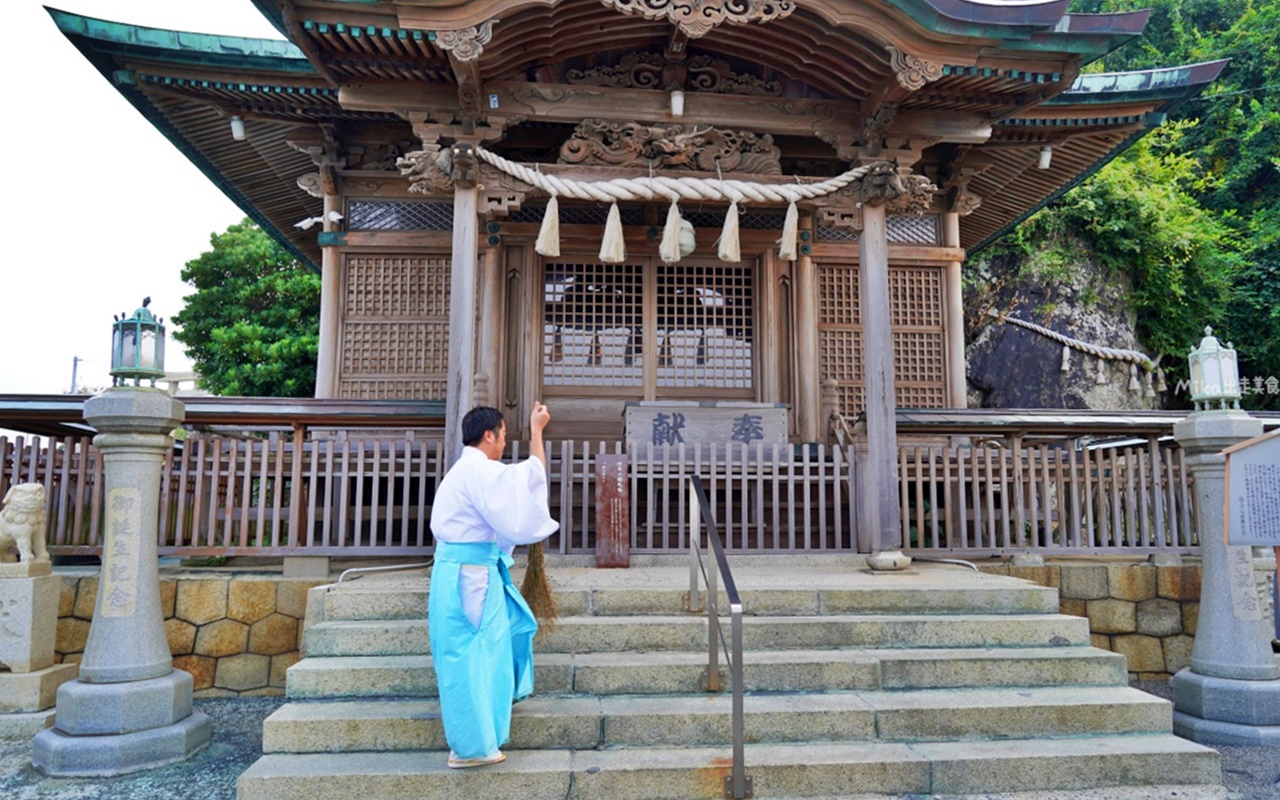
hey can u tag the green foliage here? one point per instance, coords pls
(1192, 213)
(252, 326)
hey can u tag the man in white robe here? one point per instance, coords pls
(481, 629)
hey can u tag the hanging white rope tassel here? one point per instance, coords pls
(1161, 386)
(788, 245)
(730, 250)
(548, 243)
(613, 248)
(1134, 384)
(1066, 358)
(1102, 373)
(669, 248)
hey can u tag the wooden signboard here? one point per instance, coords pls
(720, 423)
(1253, 491)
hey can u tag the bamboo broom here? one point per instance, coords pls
(537, 590)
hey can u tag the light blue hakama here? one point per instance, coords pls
(480, 671)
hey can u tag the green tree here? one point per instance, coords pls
(252, 326)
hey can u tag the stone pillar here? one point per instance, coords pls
(462, 299)
(881, 513)
(330, 302)
(130, 709)
(29, 592)
(1231, 692)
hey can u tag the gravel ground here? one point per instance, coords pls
(209, 775)
(1249, 773)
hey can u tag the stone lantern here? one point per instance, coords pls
(129, 709)
(1231, 692)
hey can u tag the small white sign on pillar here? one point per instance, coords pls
(1253, 491)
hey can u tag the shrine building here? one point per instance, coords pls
(762, 207)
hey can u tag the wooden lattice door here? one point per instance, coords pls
(646, 330)
(393, 333)
(919, 335)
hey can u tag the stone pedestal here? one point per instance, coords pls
(1231, 692)
(28, 621)
(129, 709)
(29, 679)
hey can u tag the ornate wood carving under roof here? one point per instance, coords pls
(645, 71)
(632, 144)
(912, 72)
(696, 18)
(468, 43)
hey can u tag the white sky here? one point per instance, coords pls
(103, 210)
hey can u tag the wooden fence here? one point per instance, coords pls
(1008, 497)
(368, 493)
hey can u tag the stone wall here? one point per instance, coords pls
(1146, 612)
(236, 633)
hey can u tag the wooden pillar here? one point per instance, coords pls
(491, 321)
(808, 395)
(330, 303)
(957, 385)
(880, 513)
(462, 300)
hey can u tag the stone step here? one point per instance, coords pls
(688, 633)
(764, 670)
(704, 719)
(410, 602)
(792, 770)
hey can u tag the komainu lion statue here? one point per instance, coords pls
(22, 524)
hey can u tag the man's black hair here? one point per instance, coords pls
(477, 421)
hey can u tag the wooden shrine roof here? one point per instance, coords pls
(1005, 83)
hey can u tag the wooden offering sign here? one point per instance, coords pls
(1253, 491)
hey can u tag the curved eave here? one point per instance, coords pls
(1160, 90)
(271, 10)
(982, 18)
(105, 44)
(1168, 83)
(182, 47)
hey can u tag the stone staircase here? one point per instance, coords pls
(939, 681)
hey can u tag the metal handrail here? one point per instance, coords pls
(389, 568)
(737, 785)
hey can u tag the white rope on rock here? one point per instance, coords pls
(1133, 357)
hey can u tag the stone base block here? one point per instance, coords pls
(29, 692)
(306, 567)
(56, 753)
(96, 709)
(24, 726)
(26, 569)
(1210, 731)
(30, 622)
(1250, 703)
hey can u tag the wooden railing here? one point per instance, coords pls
(275, 490)
(1006, 497)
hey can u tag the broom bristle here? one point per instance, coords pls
(537, 590)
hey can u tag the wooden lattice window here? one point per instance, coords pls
(592, 325)
(704, 324)
(648, 330)
(394, 331)
(919, 358)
